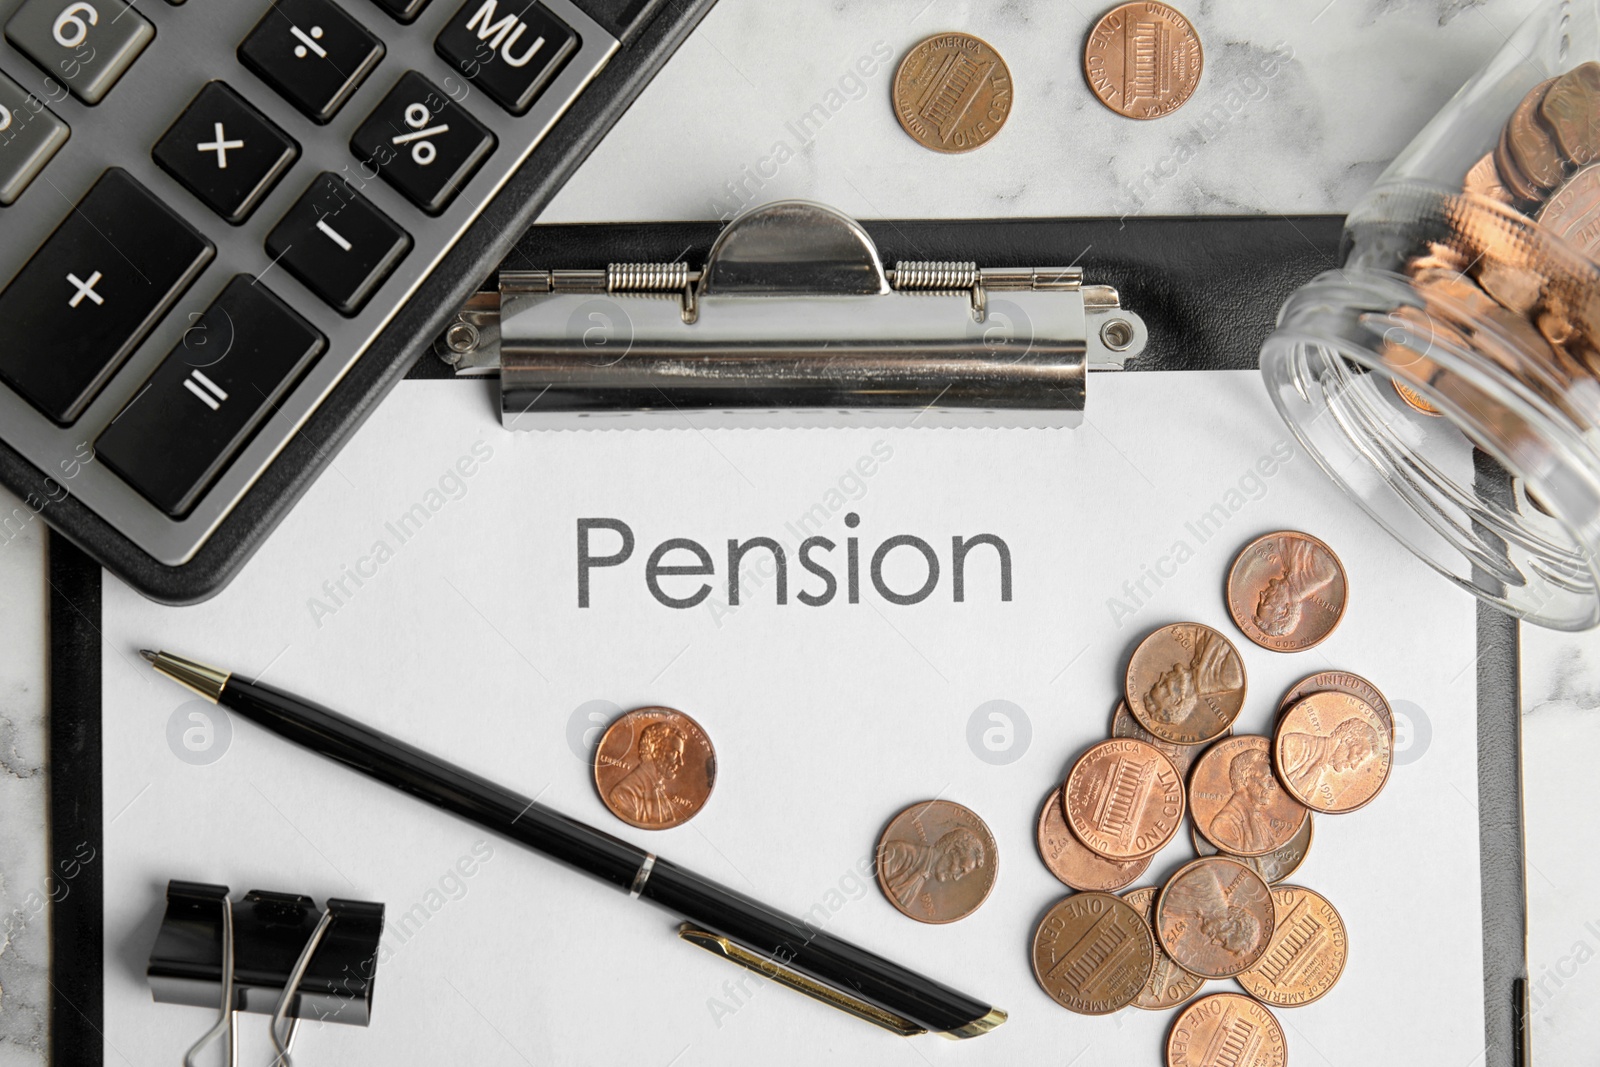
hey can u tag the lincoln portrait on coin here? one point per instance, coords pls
(1202, 898)
(907, 866)
(1243, 823)
(1211, 668)
(1306, 572)
(642, 794)
(1307, 757)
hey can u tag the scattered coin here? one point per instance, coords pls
(1238, 803)
(1226, 1029)
(1123, 724)
(1143, 60)
(1332, 752)
(1484, 180)
(1215, 917)
(1274, 866)
(1341, 682)
(1287, 591)
(1169, 985)
(1185, 683)
(1413, 398)
(1072, 862)
(952, 92)
(1571, 108)
(1123, 799)
(1307, 954)
(937, 861)
(654, 768)
(1093, 953)
(1573, 211)
(1531, 143)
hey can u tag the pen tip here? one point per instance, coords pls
(147, 654)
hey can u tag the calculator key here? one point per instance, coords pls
(337, 243)
(403, 10)
(225, 152)
(423, 143)
(92, 291)
(85, 45)
(221, 381)
(312, 53)
(30, 134)
(508, 48)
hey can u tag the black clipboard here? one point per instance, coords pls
(1208, 288)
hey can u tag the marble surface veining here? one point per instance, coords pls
(1299, 108)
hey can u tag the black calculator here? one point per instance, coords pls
(227, 227)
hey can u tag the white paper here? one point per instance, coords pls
(467, 639)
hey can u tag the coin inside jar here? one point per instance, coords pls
(654, 768)
(1531, 142)
(1287, 591)
(1185, 683)
(1123, 724)
(1169, 985)
(1123, 799)
(1307, 954)
(1215, 917)
(1274, 866)
(1237, 801)
(952, 92)
(1092, 953)
(1071, 861)
(1226, 1029)
(1571, 108)
(1143, 60)
(1332, 752)
(937, 861)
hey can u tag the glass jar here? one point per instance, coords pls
(1447, 376)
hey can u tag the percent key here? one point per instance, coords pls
(423, 143)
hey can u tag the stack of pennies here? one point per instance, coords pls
(1491, 281)
(1249, 798)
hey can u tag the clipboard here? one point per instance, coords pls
(1208, 288)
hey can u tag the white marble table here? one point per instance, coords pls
(1299, 109)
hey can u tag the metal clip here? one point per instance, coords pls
(793, 320)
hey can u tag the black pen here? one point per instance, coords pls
(716, 918)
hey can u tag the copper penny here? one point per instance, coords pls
(1274, 866)
(1123, 724)
(1413, 398)
(1483, 180)
(1074, 864)
(952, 92)
(1571, 108)
(937, 861)
(1307, 954)
(1123, 799)
(1287, 591)
(1511, 176)
(1341, 682)
(1185, 683)
(655, 768)
(1143, 60)
(1332, 752)
(1214, 917)
(1238, 803)
(1226, 1030)
(1531, 143)
(1093, 953)
(1573, 211)
(1169, 984)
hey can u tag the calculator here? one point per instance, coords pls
(227, 227)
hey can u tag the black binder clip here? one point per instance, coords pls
(272, 953)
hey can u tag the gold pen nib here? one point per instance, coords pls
(196, 677)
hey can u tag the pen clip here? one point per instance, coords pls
(770, 968)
